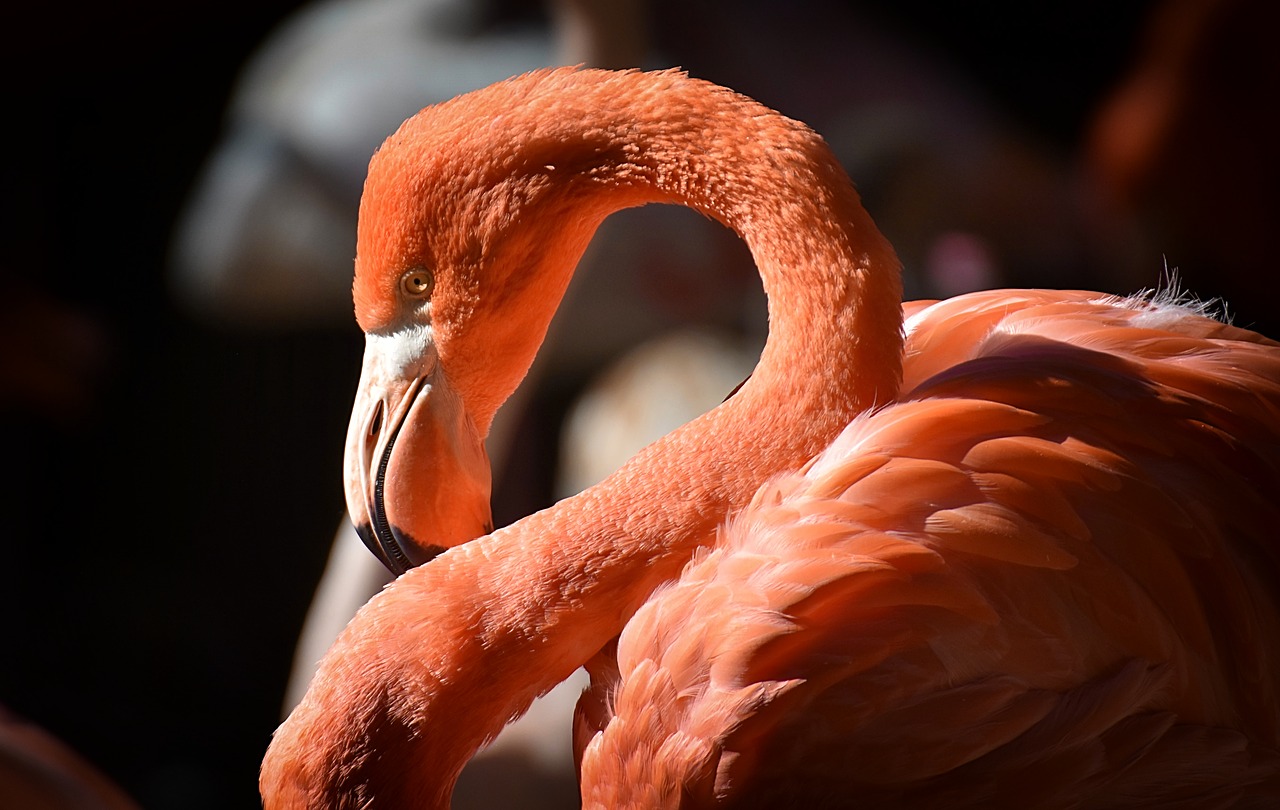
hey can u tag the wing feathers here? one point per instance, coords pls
(1049, 572)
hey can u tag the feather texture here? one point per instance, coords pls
(1040, 575)
(1016, 548)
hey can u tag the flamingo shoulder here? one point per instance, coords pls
(1048, 567)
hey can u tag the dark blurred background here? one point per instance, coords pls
(171, 482)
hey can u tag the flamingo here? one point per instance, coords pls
(1014, 547)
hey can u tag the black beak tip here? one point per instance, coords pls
(395, 549)
(396, 563)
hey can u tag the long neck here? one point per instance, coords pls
(452, 651)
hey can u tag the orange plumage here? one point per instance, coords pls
(1042, 578)
(1026, 556)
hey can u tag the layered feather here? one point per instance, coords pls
(1048, 574)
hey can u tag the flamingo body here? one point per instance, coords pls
(1016, 547)
(1034, 579)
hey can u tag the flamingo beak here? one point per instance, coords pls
(417, 475)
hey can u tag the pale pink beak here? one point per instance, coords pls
(417, 475)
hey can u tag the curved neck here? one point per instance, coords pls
(566, 149)
(453, 650)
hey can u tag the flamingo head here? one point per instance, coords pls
(466, 241)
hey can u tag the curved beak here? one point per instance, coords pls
(417, 475)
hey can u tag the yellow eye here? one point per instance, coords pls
(418, 283)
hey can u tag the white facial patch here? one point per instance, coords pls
(405, 353)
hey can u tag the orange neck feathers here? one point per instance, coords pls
(500, 191)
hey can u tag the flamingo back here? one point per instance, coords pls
(1048, 573)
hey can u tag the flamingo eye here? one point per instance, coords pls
(418, 283)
